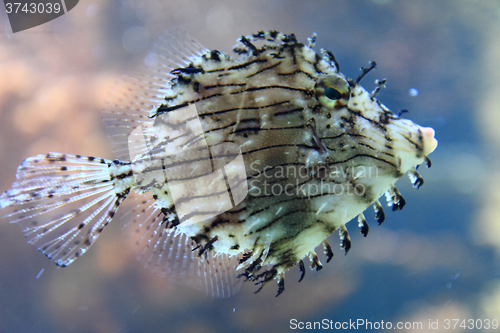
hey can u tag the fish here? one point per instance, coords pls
(229, 167)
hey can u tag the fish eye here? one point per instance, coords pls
(333, 94)
(332, 91)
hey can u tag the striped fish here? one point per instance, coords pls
(232, 167)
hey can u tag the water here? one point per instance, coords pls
(434, 260)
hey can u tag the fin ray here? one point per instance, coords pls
(133, 97)
(169, 253)
(62, 202)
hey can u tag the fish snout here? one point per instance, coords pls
(429, 141)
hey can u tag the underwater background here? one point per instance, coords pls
(436, 259)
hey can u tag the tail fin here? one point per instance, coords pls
(62, 203)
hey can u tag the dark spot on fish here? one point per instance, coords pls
(188, 70)
(214, 55)
(183, 80)
(198, 238)
(248, 44)
(164, 108)
(128, 174)
(196, 86)
(384, 118)
(316, 108)
(259, 35)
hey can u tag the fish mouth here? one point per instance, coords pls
(429, 141)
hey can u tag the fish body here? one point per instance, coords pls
(253, 160)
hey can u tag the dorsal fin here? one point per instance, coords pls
(131, 98)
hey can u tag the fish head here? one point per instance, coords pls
(357, 123)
